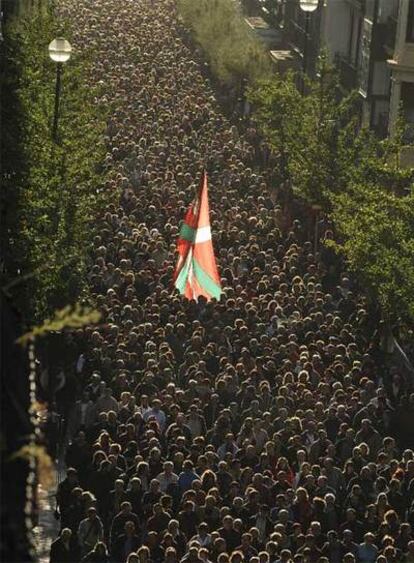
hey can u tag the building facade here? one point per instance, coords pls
(370, 41)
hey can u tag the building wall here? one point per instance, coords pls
(401, 67)
(372, 43)
(337, 28)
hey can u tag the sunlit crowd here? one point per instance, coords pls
(254, 429)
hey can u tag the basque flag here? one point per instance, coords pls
(196, 271)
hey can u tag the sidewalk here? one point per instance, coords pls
(48, 527)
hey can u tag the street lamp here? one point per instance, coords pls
(307, 6)
(59, 51)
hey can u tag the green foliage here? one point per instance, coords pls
(231, 49)
(53, 192)
(45, 468)
(327, 159)
(363, 158)
(279, 114)
(303, 130)
(69, 317)
(378, 232)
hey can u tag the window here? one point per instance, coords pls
(410, 22)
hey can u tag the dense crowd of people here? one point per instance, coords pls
(254, 429)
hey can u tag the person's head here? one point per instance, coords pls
(154, 485)
(129, 528)
(410, 548)
(173, 527)
(126, 507)
(246, 540)
(171, 554)
(285, 556)
(203, 554)
(369, 538)
(188, 465)
(152, 539)
(193, 550)
(228, 522)
(143, 554)
(135, 484)
(350, 514)
(156, 405)
(91, 513)
(347, 536)
(72, 476)
(168, 467)
(332, 537)
(119, 485)
(203, 529)
(66, 535)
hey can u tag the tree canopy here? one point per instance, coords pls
(326, 159)
(231, 49)
(52, 192)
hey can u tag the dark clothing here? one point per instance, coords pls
(59, 553)
(231, 537)
(118, 524)
(123, 546)
(188, 523)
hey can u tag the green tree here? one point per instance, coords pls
(377, 229)
(53, 193)
(231, 49)
(364, 158)
(304, 130)
(279, 113)
(328, 160)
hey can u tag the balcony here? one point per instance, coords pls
(270, 37)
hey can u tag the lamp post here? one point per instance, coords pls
(307, 6)
(59, 51)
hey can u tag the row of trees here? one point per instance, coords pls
(324, 157)
(231, 50)
(52, 191)
(327, 160)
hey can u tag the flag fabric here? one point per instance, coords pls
(196, 271)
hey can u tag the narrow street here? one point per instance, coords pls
(233, 401)
(48, 527)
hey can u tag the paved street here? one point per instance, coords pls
(246, 427)
(48, 526)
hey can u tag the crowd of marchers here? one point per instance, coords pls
(253, 429)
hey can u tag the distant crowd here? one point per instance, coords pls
(255, 429)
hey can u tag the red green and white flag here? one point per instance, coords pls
(196, 271)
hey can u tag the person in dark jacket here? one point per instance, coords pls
(125, 543)
(64, 493)
(118, 523)
(63, 549)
